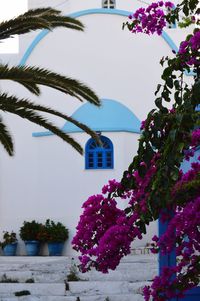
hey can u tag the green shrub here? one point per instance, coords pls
(53, 232)
(30, 230)
(8, 238)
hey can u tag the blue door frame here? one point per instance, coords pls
(170, 259)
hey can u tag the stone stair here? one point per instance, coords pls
(45, 279)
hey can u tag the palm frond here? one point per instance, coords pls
(31, 87)
(40, 11)
(5, 138)
(31, 115)
(44, 18)
(12, 100)
(31, 77)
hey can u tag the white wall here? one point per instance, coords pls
(46, 178)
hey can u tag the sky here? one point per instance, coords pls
(8, 10)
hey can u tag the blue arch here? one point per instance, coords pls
(112, 116)
(118, 12)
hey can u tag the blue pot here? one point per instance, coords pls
(32, 247)
(10, 249)
(55, 248)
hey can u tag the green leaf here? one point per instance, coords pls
(177, 97)
(169, 82)
(6, 139)
(186, 10)
(196, 93)
(158, 89)
(166, 73)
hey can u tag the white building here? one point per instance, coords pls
(46, 178)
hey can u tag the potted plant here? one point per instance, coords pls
(9, 243)
(55, 234)
(29, 233)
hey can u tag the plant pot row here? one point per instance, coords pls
(34, 234)
(33, 248)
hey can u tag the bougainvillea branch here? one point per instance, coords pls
(154, 184)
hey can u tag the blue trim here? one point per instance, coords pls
(42, 134)
(169, 41)
(99, 157)
(47, 133)
(30, 49)
(78, 14)
(169, 259)
(192, 295)
(197, 109)
(102, 119)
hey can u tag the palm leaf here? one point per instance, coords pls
(31, 77)
(5, 138)
(18, 103)
(40, 11)
(45, 18)
(31, 115)
(31, 87)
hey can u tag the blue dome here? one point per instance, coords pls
(112, 116)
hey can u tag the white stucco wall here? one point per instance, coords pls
(46, 178)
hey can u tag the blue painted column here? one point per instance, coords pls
(170, 259)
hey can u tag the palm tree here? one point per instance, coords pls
(32, 77)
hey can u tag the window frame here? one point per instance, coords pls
(98, 157)
(111, 4)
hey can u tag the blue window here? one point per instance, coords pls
(97, 157)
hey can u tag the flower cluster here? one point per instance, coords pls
(189, 50)
(139, 195)
(100, 215)
(195, 138)
(105, 232)
(112, 186)
(150, 20)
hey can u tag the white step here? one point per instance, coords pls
(53, 262)
(131, 273)
(37, 277)
(123, 297)
(69, 298)
(36, 289)
(50, 274)
(54, 269)
(89, 288)
(40, 298)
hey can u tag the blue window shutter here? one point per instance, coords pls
(99, 157)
